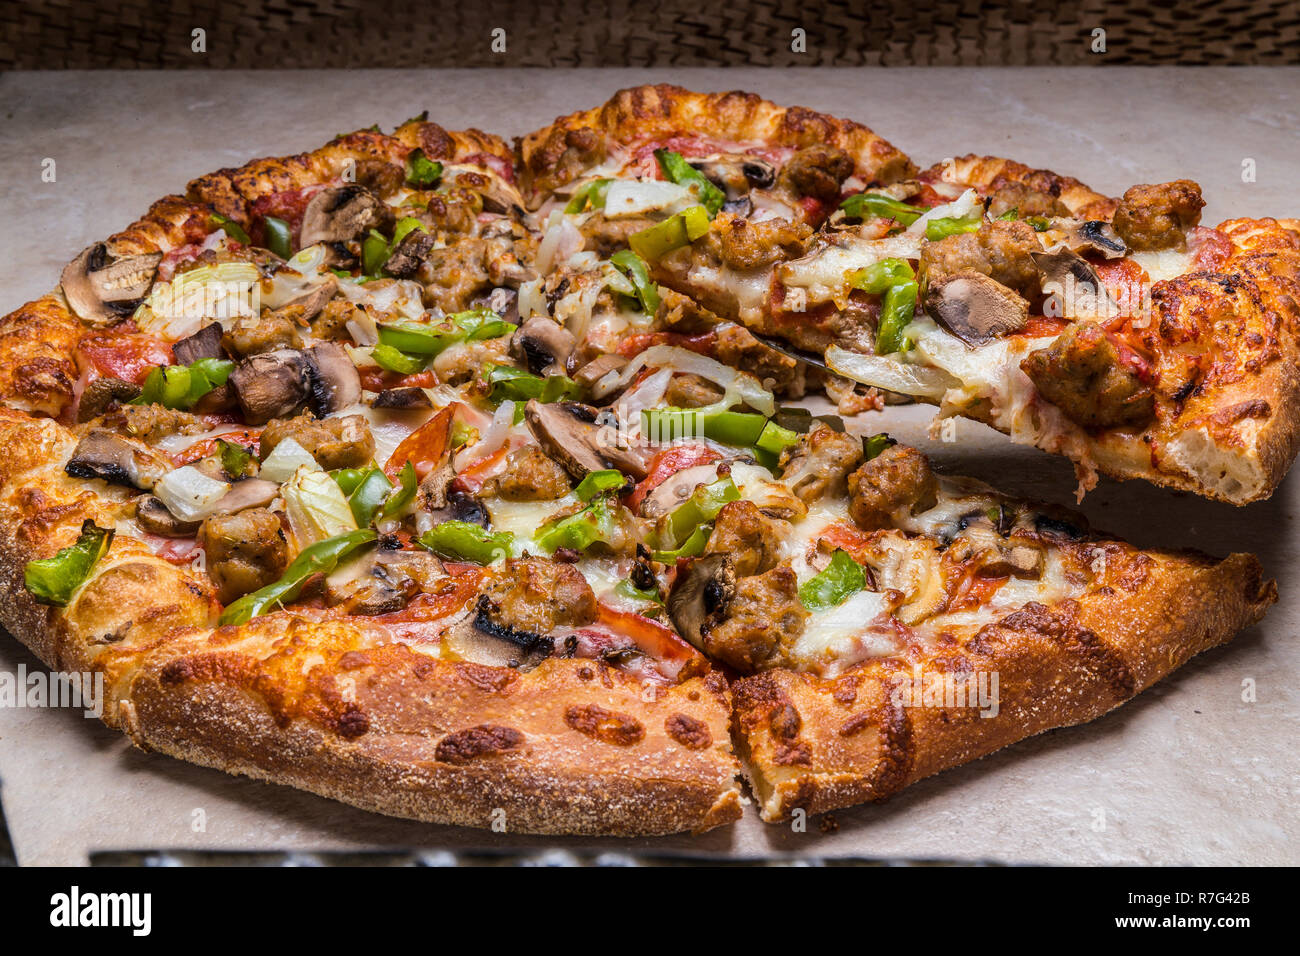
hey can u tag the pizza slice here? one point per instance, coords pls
(1121, 334)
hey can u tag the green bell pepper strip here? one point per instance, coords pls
(319, 558)
(231, 228)
(395, 360)
(693, 546)
(703, 505)
(841, 579)
(279, 237)
(463, 541)
(517, 385)
(348, 478)
(874, 445)
(896, 313)
(879, 206)
(683, 173)
(599, 483)
(403, 494)
(235, 458)
(741, 429)
(405, 226)
(774, 439)
(479, 324)
(626, 589)
(415, 339)
(54, 580)
(1040, 223)
(634, 267)
(420, 170)
(180, 386)
(680, 229)
(594, 524)
(374, 253)
(369, 495)
(882, 276)
(937, 229)
(592, 193)
(1010, 215)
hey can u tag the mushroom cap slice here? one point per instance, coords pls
(406, 397)
(271, 385)
(341, 213)
(152, 515)
(1073, 278)
(975, 308)
(333, 377)
(544, 345)
(700, 596)
(1095, 235)
(101, 290)
(570, 434)
(205, 343)
(119, 461)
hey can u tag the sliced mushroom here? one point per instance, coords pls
(570, 434)
(103, 291)
(410, 254)
(975, 308)
(1095, 235)
(479, 639)
(117, 460)
(341, 213)
(445, 501)
(1074, 280)
(402, 398)
(152, 515)
(272, 385)
(314, 300)
(543, 345)
(203, 344)
(382, 580)
(700, 596)
(333, 378)
(590, 374)
(102, 394)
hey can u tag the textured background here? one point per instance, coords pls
(296, 34)
(1186, 773)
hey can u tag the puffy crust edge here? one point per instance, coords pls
(644, 113)
(820, 745)
(981, 171)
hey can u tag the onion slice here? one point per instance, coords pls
(737, 386)
(889, 374)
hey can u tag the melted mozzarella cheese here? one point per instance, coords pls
(843, 635)
(1164, 263)
(523, 518)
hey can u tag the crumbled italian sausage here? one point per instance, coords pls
(999, 249)
(761, 623)
(530, 475)
(344, 442)
(245, 551)
(1158, 217)
(538, 595)
(899, 477)
(746, 535)
(820, 462)
(1084, 373)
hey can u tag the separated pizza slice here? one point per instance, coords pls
(1121, 334)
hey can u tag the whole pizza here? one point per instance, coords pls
(470, 482)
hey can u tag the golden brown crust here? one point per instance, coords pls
(560, 152)
(982, 171)
(820, 744)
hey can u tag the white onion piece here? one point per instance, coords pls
(189, 494)
(737, 386)
(492, 439)
(638, 197)
(646, 395)
(363, 328)
(171, 444)
(583, 261)
(308, 261)
(285, 459)
(889, 374)
(960, 208)
(401, 296)
(561, 240)
(315, 506)
(531, 300)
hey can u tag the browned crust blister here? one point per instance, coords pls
(333, 706)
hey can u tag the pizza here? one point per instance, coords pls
(471, 482)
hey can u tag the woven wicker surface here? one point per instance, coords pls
(92, 34)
